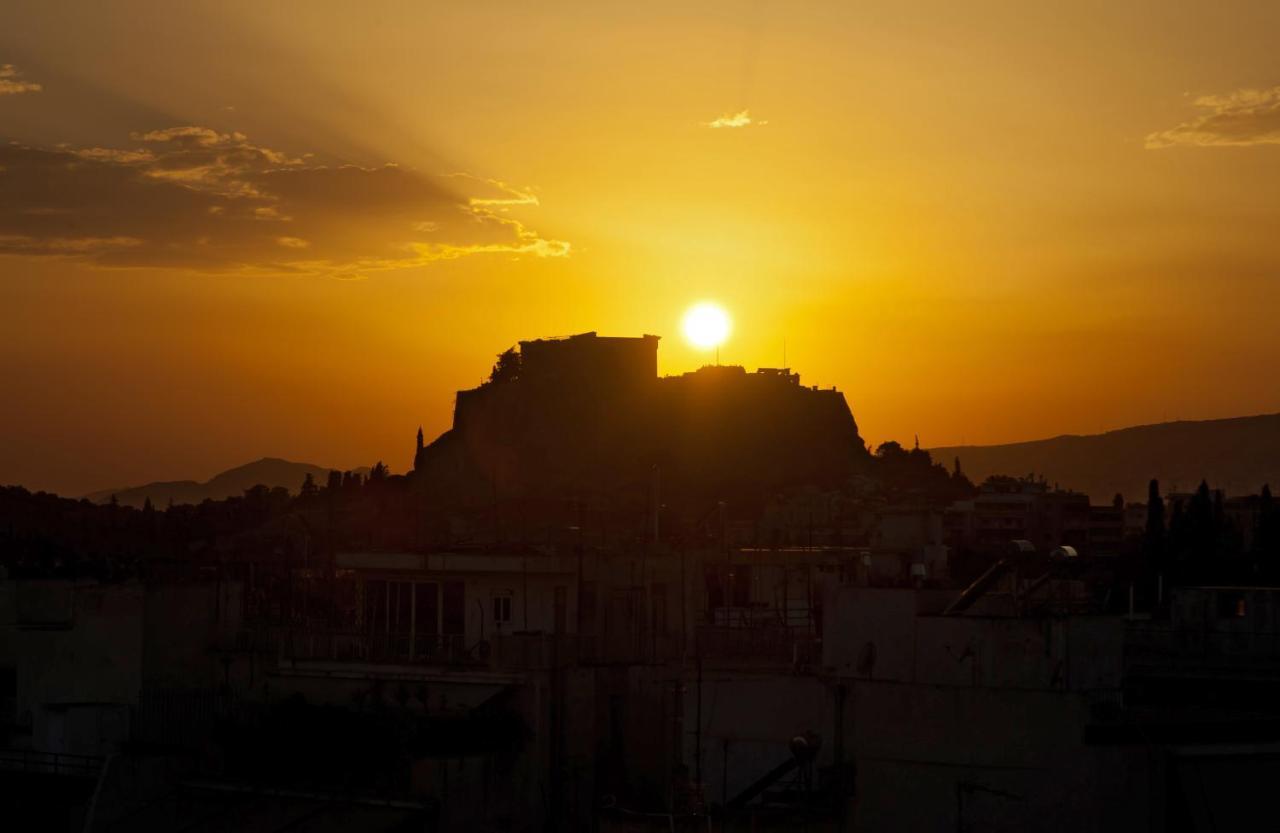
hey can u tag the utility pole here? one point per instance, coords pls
(578, 618)
(697, 735)
(728, 561)
(657, 501)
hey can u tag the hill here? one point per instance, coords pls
(1237, 455)
(586, 414)
(269, 471)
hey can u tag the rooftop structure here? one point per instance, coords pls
(589, 358)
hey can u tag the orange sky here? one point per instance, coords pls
(229, 231)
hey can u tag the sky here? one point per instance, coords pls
(232, 230)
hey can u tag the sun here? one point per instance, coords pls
(706, 325)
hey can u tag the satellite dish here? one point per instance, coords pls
(805, 747)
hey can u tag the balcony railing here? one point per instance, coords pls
(362, 646)
(499, 651)
(50, 763)
(770, 646)
(1173, 648)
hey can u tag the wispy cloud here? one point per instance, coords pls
(1240, 118)
(742, 118)
(11, 82)
(196, 198)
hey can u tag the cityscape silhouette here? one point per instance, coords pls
(710, 416)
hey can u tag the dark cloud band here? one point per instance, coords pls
(191, 197)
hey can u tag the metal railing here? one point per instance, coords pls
(50, 763)
(1183, 647)
(362, 646)
(497, 650)
(772, 646)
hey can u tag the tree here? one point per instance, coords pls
(1202, 533)
(1176, 542)
(507, 368)
(1153, 541)
(1266, 538)
(889, 450)
(309, 488)
(378, 472)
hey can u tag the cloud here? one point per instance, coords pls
(11, 82)
(195, 198)
(742, 118)
(1241, 118)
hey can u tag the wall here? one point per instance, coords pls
(875, 633)
(95, 659)
(927, 755)
(183, 622)
(757, 715)
(1011, 759)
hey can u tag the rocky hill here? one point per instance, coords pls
(1237, 455)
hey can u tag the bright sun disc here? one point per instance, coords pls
(706, 325)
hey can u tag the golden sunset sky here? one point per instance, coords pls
(231, 230)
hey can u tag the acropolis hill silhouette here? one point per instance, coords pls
(590, 414)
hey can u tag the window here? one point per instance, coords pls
(426, 608)
(502, 609)
(453, 615)
(740, 584)
(1231, 605)
(375, 606)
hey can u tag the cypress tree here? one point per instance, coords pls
(1154, 540)
(1266, 538)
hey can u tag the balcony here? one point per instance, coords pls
(1180, 651)
(311, 644)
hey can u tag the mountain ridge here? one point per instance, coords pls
(271, 472)
(1238, 454)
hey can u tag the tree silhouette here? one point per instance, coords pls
(890, 449)
(507, 368)
(1201, 532)
(1154, 540)
(1266, 537)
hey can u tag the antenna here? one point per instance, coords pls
(784, 354)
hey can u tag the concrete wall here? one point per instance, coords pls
(748, 721)
(947, 758)
(183, 623)
(870, 629)
(927, 756)
(74, 679)
(957, 723)
(876, 634)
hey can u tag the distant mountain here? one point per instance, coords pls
(269, 471)
(1237, 455)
